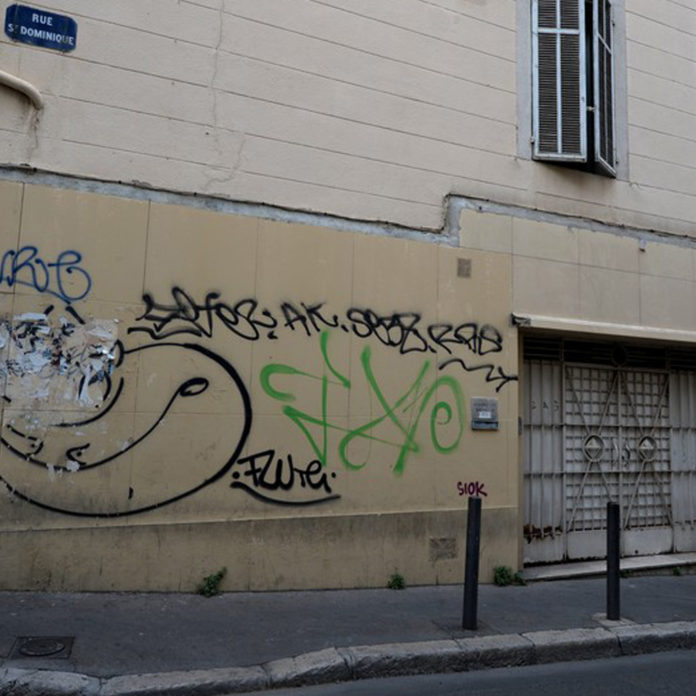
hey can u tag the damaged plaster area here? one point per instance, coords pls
(56, 363)
(53, 370)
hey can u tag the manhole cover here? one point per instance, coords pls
(42, 646)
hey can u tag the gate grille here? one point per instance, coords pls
(597, 427)
(617, 447)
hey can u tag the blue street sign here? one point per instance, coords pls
(40, 28)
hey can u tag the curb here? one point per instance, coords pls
(369, 661)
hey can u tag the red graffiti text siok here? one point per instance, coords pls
(473, 489)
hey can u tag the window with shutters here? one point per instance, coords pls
(573, 83)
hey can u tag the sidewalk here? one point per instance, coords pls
(187, 644)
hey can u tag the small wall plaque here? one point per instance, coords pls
(484, 413)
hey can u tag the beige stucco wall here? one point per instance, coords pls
(580, 280)
(156, 357)
(583, 278)
(370, 110)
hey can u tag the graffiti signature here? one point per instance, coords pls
(265, 472)
(26, 267)
(402, 417)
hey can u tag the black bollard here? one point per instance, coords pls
(613, 548)
(473, 544)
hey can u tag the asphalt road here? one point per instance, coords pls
(646, 675)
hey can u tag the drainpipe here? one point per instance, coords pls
(24, 87)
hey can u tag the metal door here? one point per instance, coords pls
(598, 432)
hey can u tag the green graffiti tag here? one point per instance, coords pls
(403, 415)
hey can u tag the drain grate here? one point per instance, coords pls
(54, 647)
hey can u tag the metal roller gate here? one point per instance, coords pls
(607, 421)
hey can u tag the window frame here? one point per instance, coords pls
(525, 96)
(600, 160)
(558, 33)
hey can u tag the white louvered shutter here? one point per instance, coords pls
(559, 80)
(603, 62)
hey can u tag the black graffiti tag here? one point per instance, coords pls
(264, 472)
(396, 330)
(494, 373)
(185, 316)
(77, 460)
(248, 320)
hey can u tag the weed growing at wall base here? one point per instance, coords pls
(503, 575)
(396, 582)
(210, 586)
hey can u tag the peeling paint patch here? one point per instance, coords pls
(56, 361)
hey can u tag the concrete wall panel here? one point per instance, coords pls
(171, 368)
